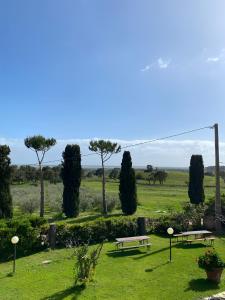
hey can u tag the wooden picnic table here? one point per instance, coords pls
(199, 235)
(138, 241)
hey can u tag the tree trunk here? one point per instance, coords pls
(103, 189)
(42, 200)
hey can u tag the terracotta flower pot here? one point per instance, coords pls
(214, 275)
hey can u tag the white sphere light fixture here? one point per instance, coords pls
(14, 240)
(170, 230)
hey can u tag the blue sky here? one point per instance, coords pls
(127, 70)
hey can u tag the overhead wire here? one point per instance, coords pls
(136, 144)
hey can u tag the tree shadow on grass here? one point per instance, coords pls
(153, 252)
(190, 246)
(123, 253)
(156, 267)
(10, 274)
(91, 218)
(201, 285)
(76, 291)
(83, 219)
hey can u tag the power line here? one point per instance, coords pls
(56, 160)
(166, 137)
(137, 144)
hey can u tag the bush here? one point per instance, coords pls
(165, 222)
(86, 263)
(210, 210)
(29, 206)
(93, 202)
(188, 219)
(210, 260)
(29, 232)
(56, 204)
(95, 231)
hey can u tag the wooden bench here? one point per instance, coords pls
(141, 241)
(196, 235)
(210, 239)
(177, 235)
(148, 245)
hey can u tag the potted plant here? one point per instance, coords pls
(212, 264)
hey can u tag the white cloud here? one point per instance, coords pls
(146, 68)
(219, 58)
(163, 64)
(213, 59)
(159, 63)
(166, 153)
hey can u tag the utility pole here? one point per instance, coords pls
(217, 174)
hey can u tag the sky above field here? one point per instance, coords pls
(122, 70)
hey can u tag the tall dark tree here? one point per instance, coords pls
(105, 149)
(127, 187)
(40, 145)
(196, 178)
(71, 176)
(6, 210)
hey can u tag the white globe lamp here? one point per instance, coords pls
(14, 240)
(170, 230)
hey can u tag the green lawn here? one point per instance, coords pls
(135, 274)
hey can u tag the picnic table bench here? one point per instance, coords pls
(199, 235)
(138, 241)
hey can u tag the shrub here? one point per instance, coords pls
(86, 263)
(29, 232)
(165, 222)
(93, 202)
(140, 176)
(36, 221)
(210, 210)
(28, 206)
(56, 204)
(210, 260)
(180, 221)
(95, 231)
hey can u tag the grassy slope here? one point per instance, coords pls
(153, 199)
(129, 275)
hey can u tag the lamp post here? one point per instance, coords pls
(14, 241)
(170, 231)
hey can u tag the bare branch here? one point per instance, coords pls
(108, 157)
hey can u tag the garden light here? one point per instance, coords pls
(14, 241)
(170, 231)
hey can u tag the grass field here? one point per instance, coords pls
(154, 200)
(130, 275)
(120, 275)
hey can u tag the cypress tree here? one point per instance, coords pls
(71, 176)
(196, 177)
(127, 187)
(6, 209)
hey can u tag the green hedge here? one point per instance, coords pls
(96, 231)
(29, 232)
